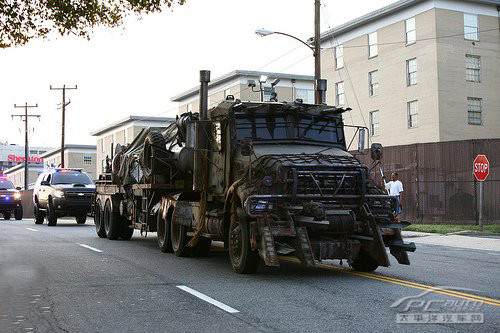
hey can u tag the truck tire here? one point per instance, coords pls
(98, 220)
(18, 213)
(51, 214)
(111, 222)
(6, 215)
(81, 219)
(202, 248)
(154, 149)
(127, 231)
(39, 215)
(179, 240)
(163, 229)
(244, 260)
(364, 262)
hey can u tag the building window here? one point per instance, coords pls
(471, 30)
(374, 123)
(103, 166)
(411, 72)
(411, 33)
(373, 83)
(306, 95)
(102, 146)
(474, 110)
(33, 152)
(190, 107)
(339, 56)
(412, 114)
(87, 160)
(372, 45)
(227, 92)
(472, 68)
(339, 93)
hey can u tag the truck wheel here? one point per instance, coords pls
(39, 215)
(51, 215)
(202, 248)
(364, 262)
(6, 215)
(111, 222)
(81, 219)
(179, 240)
(98, 220)
(163, 231)
(243, 259)
(18, 214)
(154, 149)
(127, 231)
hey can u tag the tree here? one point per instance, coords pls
(23, 20)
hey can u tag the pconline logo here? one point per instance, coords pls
(33, 159)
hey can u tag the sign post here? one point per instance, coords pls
(481, 170)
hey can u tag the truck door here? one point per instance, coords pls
(216, 160)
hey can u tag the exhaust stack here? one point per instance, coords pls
(201, 130)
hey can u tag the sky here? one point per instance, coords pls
(136, 69)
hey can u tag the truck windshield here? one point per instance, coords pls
(74, 177)
(6, 184)
(280, 126)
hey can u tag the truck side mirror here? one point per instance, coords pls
(361, 140)
(246, 147)
(376, 151)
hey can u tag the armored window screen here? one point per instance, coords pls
(474, 111)
(373, 83)
(339, 93)
(372, 45)
(472, 68)
(471, 27)
(411, 32)
(412, 114)
(411, 72)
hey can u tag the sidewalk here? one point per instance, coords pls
(472, 241)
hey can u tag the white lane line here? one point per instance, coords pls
(31, 229)
(208, 299)
(89, 247)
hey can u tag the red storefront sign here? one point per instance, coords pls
(32, 159)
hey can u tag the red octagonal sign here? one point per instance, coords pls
(481, 167)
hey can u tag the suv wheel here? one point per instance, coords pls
(81, 219)
(51, 214)
(6, 215)
(18, 213)
(39, 215)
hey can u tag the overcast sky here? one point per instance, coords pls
(137, 68)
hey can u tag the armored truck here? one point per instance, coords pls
(268, 179)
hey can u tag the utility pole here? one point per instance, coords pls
(63, 107)
(317, 53)
(26, 131)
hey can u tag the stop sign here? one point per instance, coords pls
(481, 167)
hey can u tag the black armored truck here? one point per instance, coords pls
(268, 179)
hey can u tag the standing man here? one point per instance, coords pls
(394, 188)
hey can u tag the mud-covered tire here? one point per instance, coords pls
(98, 220)
(163, 230)
(51, 215)
(202, 247)
(364, 262)
(18, 214)
(180, 239)
(39, 215)
(6, 215)
(154, 150)
(81, 219)
(111, 222)
(244, 260)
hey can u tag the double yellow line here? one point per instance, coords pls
(485, 300)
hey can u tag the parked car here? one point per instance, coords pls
(62, 192)
(10, 200)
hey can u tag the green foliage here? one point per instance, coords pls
(449, 228)
(23, 20)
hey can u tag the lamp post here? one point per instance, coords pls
(319, 87)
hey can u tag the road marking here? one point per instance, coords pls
(31, 229)
(486, 300)
(208, 299)
(89, 247)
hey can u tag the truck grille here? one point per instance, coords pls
(325, 182)
(79, 195)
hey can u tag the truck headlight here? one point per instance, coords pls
(59, 194)
(262, 206)
(17, 195)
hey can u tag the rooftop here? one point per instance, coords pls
(127, 120)
(238, 73)
(67, 146)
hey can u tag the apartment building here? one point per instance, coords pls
(250, 86)
(418, 71)
(123, 131)
(75, 156)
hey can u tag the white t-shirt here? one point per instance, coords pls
(394, 187)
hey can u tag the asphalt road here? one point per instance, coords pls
(66, 279)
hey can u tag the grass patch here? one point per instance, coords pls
(448, 228)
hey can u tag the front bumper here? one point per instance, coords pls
(72, 206)
(9, 204)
